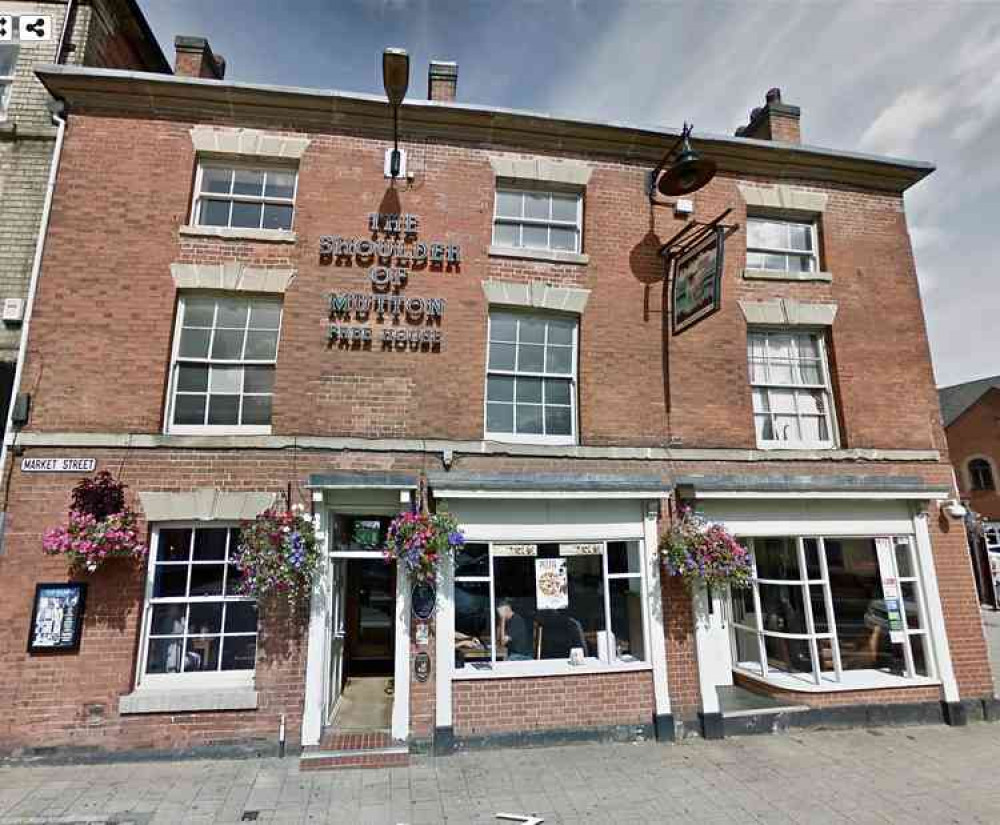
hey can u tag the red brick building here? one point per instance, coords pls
(236, 300)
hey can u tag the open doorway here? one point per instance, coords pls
(364, 624)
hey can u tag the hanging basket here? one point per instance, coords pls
(278, 556)
(704, 553)
(418, 541)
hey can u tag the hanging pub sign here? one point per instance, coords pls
(422, 600)
(57, 617)
(697, 282)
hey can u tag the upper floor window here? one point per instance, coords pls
(791, 389)
(8, 64)
(225, 350)
(531, 378)
(529, 219)
(197, 622)
(244, 197)
(981, 474)
(781, 246)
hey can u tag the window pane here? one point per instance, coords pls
(559, 360)
(904, 561)
(241, 617)
(217, 180)
(563, 239)
(472, 623)
(205, 618)
(506, 234)
(813, 569)
(261, 345)
(509, 204)
(206, 579)
(911, 604)
(529, 390)
(265, 315)
(801, 263)
(558, 421)
(194, 343)
(756, 260)
(760, 401)
(800, 237)
(258, 379)
(531, 357)
(233, 579)
(278, 216)
(532, 331)
(501, 356)
(626, 618)
(472, 560)
(529, 419)
(810, 372)
(918, 646)
(192, 378)
(189, 410)
(223, 409)
(232, 313)
(778, 263)
(246, 215)
(558, 391)
(748, 651)
(228, 344)
(168, 619)
(780, 372)
(535, 237)
(766, 234)
(561, 331)
(813, 429)
(623, 557)
(564, 207)
(764, 427)
(226, 379)
(256, 410)
(198, 312)
(201, 654)
(174, 545)
(280, 185)
(503, 328)
(210, 544)
(248, 182)
(214, 213)
(500, 388)
(536, 205)
(164, 655)
(170, 581)
(239, 653)
(500, 418)
(776, 558)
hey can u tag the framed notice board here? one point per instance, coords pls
(57, 617)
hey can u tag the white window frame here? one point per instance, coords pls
(766, 386)
(548, 223)
(214, 163)
(834, 679)
(812, 255)
(7, 80)
(534, 438)
(197, 680)
(559, 667)
(175, 361)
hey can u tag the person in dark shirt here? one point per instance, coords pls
(515, 633)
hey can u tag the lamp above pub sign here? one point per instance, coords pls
(385, 316)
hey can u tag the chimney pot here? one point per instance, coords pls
(195, 58)
(773, 95)
(442, 81)
(773, 121)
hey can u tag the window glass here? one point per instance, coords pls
(246, 198)
(626, 617)
(197, 624)
(981, 474)
(780, 245)
(537, 220)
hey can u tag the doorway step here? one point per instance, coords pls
(355, 749)
(745, 712)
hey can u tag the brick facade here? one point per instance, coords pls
(649, 404)
(976, 434)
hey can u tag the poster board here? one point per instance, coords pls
(890, 589)
(57, 617)
(551, 584)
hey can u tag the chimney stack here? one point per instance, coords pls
(773, 121)
(442, 81)
(195, 58)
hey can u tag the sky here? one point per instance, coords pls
(917, 79)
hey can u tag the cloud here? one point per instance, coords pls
(897, 130)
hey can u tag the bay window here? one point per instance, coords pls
(829, 611)
(196, 623)
(555, 602)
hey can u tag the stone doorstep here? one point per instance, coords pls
(319, 760)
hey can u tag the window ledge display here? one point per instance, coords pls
(551, 255)
(851, 680)
(160, 700)
(522, 670)
(237, 233)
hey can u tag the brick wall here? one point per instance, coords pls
(976, 434)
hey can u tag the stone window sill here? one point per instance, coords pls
(239, 234)
(178, 701)
(548, 255)
(775, 275)
(552, 667)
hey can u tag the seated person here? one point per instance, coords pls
(515, 633)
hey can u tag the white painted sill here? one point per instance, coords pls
(538, 440)
(239, 234)
(778, 275)
(555, 667)
(172, 700)
(547, 255)
(780, 446)
(851, 680)
(196, 429)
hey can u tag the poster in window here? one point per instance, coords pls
(367, 534)
(890, 590)
(697, 289)
(57, 617)
(551, 584)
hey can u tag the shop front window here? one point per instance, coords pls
(556, 602)
(197, 623)
(820, 609)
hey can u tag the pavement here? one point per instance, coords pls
(927, 774)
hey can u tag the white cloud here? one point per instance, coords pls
(897, 130)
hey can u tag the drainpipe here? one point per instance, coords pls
(64, 34)
(60, 121)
